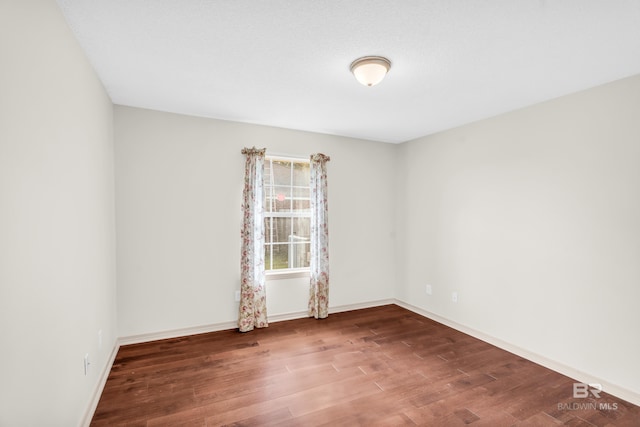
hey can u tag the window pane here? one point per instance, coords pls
(299, 243)
(299, 255)
(301, 200)
(277, 199)
(267, 257)
(280, 199)
(268, 226)
(280, 256)
(278, 229)
(281, 173)
(268, 196)
(284, 249)
(267, 172)
(301, 174)
(301, 229)
(287, 195)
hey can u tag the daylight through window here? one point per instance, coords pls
(287, 213)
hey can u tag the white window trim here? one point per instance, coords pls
(287, 273)
(286, 157)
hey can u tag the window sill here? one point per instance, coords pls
(287, 274)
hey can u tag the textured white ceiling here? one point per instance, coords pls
(286, 63)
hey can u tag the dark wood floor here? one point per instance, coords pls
(381, 366)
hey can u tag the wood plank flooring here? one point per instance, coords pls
(383, 366)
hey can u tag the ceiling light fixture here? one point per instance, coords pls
(370, 70)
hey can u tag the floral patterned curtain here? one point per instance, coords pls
(253, 305)
(319, 289)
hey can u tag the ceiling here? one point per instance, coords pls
(285, 63)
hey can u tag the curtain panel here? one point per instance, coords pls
(319, 265)
(253, 305)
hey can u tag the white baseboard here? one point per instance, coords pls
(97, 393)
(336, 309)
(175, 333)
(362, 305)
(583, 377)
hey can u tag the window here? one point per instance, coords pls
(287, 213)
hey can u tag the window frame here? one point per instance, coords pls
(284, 273)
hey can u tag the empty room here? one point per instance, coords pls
(306, 213)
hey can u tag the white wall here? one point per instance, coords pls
(533, 217)
(57, 220)
(178, 187)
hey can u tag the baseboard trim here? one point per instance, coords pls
(360, 306)
(332, 310)
(176, 333)
(583, 377)
(97, 393)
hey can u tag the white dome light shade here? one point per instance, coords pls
(370, 70)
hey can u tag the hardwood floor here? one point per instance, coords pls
(383, 366)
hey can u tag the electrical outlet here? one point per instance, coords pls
(454, 296)
(429, 290)
(100, 339)
(237, 296)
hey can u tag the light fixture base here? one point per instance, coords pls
(370, 70)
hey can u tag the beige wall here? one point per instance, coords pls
(533, 217)
(57, 226)
(179, 185)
